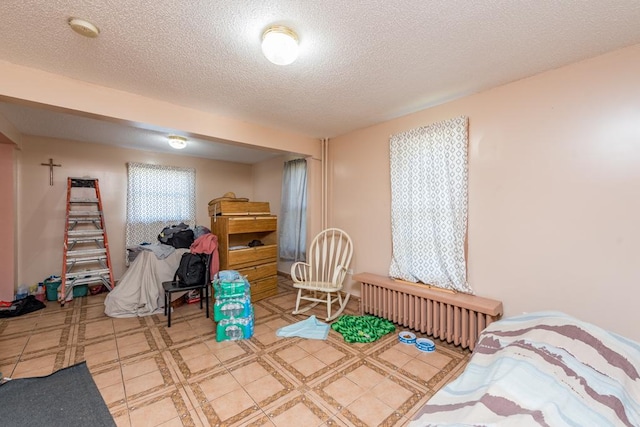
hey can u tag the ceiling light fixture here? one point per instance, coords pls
(280, 45)
(84, 28)
(177, 142)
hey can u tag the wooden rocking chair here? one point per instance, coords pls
(320, 279)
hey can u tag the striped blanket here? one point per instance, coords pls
(542, 369)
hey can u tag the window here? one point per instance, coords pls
(158, 196)
(293, 212)
(429, 204)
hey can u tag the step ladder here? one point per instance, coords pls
(86, 247)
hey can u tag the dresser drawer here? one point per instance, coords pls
(252, 224)
(264, 288)
(240, 258)
(258, 272)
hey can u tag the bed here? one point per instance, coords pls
(543, 369)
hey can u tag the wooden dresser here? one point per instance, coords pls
(258, 263)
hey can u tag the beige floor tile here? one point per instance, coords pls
(217, 386)
(202, 324)
(135, 349)
(232, 404)
(53, 320)
(113, 395)
(313, 346)
(127, 324)
(136, 368)
(292, 354)
(100, 346)
(145, 383)
(436, 359)
(18, 326)
(267, 339)
(300, 411)
(95, 360)
(35, 366)
(263, 388)
(420, 369)
(278, 323)
(365, 377)
(202, 363)
(45, 341)
(395, 357)
(131, 339)
(330, 355)
(122, 420)
(11, 347)
(369, 409)
(229, 353)
(93, 312)
(107, 377)
(308, 366)
(101, 328)
(195, 350)
(343, 391)
(249, 373)
(391, 393)
(7, 367)
(154, 413)
(262, 329)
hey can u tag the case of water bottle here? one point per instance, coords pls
(232, 309)
(230, 284)
(232, 329)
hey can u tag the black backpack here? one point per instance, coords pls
(192, 270)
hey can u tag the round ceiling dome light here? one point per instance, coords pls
(280, 45)
(84, 28)
(177, 142)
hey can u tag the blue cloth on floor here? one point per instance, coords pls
(310, 328)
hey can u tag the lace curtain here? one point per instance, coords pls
(158, 196)
(293, 212)
(429, 204)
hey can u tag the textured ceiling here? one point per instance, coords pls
(361, 62)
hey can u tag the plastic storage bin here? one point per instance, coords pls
(80, 291)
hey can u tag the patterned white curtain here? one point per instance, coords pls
(158, 196)
(429, 204)
(293, 213)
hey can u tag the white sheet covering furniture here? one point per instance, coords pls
(139, 292)
(542, 369)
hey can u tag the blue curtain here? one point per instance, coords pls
(293, 212)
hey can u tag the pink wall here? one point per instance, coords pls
(7, 215)
(42, 207)
(554, 185)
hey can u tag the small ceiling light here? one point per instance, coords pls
(177, 142)
(280, 45)
(84, 28)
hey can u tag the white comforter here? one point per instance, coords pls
(139, 292)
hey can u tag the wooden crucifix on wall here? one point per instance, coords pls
(51, 166)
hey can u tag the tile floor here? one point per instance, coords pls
(151, 375)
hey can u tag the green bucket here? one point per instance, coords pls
(52, 285)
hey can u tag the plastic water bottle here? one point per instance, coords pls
(23, 291)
